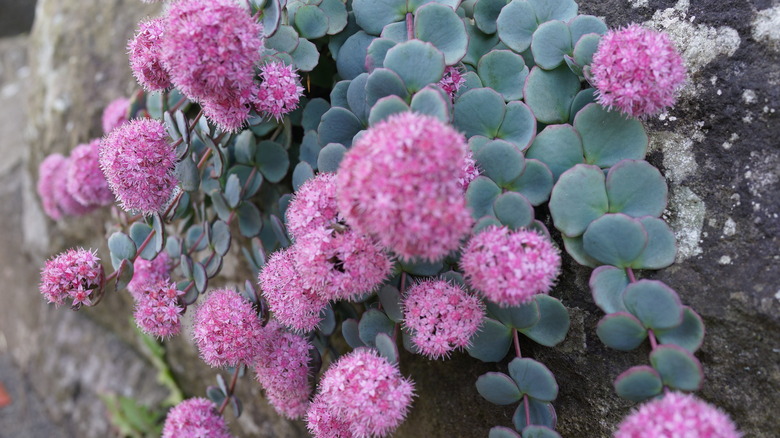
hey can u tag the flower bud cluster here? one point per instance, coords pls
(75, 274)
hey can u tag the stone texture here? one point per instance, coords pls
(718, 149)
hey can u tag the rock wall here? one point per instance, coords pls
(718, 148)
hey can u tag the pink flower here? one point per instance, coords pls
(442, 317)
(292, 304)
(85, 181)
(637, 70)
(157, 311)
(67, 204)
(50, 175)
(323, 424)
(340, 265)
(399, 185)
(146, 272)
(138, 163)
(510, 267)
(115, 114)
(470, 171)
(282, 369)
(210, 48)
(227, 329)
(74, 274)
(280, 89)
(452, 81)
(195, 418)
(677, 415)
(228, 113)
(314, 206)
(145, 50)
(368, 393)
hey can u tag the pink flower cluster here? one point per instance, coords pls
(227, 329)
(282, 369)
(292, 304)
(677, 415)
(442, 317)
(314, 206)
(138, 163)
(399, 184)
(195, 418)
(74, 274)
(52, 189)
(470, 171)
(451, 81)
(510, 267)
(115, 114)
(157, 310)
(146, 272)
(280, 89)
(85, 181)
(363, 391)
(145, 55)
(324, 424)
(637, 70)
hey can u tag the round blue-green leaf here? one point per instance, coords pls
(337, 41)
(472, 82)
(413, 5)
(272, 15)
(553, 324)
(349, 329)
(440, 25)
(518, 126)
(535, 183)
(386, 347)
(356, 97)
(121, 247)
(519, 317)
(502, 432)
(539, 432)
(249, 221)
(386, 107)
(305, 56)
(585, 48)
(541, 413)
(417, 63)
(384, 82)
(485, 14)
(492, 341)
(550, 42)
(500, 161)
(636, 188)
(395, 32)
(351, 59)
(477, 142)
(516, 25)
(330, 157)
(311, 22)
(585, 24)
(549, 93)
(327, 323)
(557, 146)
(661, 246)
(221, 237)
(480, 43)
(498, 388)
(582, 99)
(479, 112)
(312, 113)
(654, 303)
(421, 267)
(578, 198)
(547, 10)
(302, 173)
(483, 223)
(373, 15)
(372, 323)
(576, 250)
(513, 210)
(638, 383)
(188, 174)
(608, 136)
(615, 239)
(505, 72)
(391, 302)
(533, 379)
(125, 274)
(432, 101)
(678, 368)
(272, 160)
(200, 277)
(338, 125)
(310, 148)
(621, 331)
(338, 95)
(688, 335)
(232, 191)
(377, 50)
(607, 284)
(336, 11)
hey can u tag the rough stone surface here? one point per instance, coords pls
(718, 149)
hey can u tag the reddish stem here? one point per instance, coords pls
(526, 405)
(137, 253)
(409, 26)
(231, 388)
(630, 273)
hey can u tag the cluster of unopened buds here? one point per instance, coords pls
(397, 198)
